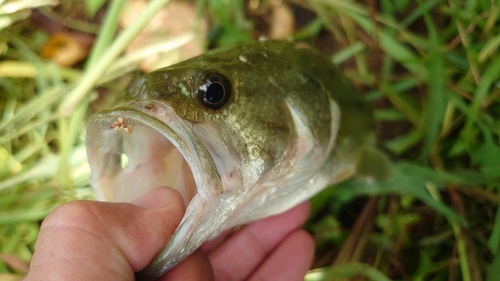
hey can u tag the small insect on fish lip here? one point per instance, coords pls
(120, 124)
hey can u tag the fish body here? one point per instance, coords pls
(243, 133)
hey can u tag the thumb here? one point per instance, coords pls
(88, 240)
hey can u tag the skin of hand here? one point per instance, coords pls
(88, 240)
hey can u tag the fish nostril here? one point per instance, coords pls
(124, 161)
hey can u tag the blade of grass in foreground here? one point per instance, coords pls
(435, 104)
(348, 270)
(494, 272)
(461, 243)
(490, 76)
(412, 179)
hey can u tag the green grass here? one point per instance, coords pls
(430, 69)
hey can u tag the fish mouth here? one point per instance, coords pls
(135, 148)
(138, 146)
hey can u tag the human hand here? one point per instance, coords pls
(87, 240)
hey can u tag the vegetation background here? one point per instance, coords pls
(430, 68)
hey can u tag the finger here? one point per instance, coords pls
(86, 240)
(195, 267)
(245, 250)
(289, 261)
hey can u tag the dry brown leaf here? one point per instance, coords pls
(282, 22)
(176, 18)
(67, 49)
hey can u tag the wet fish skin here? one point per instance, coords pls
(309, 80)
(292, 125)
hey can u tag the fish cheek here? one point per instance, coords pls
(261, 129)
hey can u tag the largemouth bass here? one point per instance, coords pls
(243, 133)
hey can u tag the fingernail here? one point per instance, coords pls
(157, 198)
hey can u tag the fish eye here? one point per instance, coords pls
(214, 91)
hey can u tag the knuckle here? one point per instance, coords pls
(72, 213)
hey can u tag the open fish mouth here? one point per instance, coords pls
(144, 144)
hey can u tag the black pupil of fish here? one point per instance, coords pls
(215, 93)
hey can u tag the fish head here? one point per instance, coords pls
(213, 127)
(223, 116)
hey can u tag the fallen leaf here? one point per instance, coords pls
(176, 18)
(67, 49)
(282, 22)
